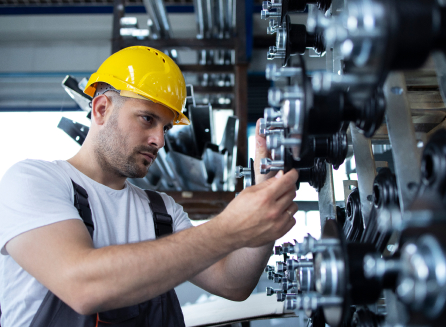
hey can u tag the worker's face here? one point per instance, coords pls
(132, 135)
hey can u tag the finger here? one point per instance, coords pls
(290, 222)
(287, 199)
(261, 151)
(293, 207)
(282, 183)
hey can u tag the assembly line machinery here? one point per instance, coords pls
(382, 260)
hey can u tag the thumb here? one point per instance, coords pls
(261, 152)
(261, 149)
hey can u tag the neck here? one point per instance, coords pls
(87, 162)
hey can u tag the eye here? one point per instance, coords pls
(148, 119)
(166, 129)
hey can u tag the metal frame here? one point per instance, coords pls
(402, 137)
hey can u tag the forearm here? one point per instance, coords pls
(235, 276)
(122, 275)
(244, 268)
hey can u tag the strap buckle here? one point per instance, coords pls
(163, 223)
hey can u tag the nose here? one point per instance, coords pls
(156, 137)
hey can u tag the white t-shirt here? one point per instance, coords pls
(35, 193)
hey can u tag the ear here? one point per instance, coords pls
(100, 106)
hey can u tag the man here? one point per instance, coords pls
(57, 272)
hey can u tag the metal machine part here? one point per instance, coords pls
(306, 279)
(293, 264)
(248, 174)
(386, 270)
(280, 8)
(432, 190)
(315, 176)
(365, 317)
(418, 275)
(76, 131)
(310, 244)
(385, 202)
(293, 39)
(74, 90)
(422, 281)
(402, 137)
(310, 301)
(272, 73)
(308, 114)
(279, 293)
(338, 272)
(332, 149)
(353, 226)
(389, 269)
(372, 45)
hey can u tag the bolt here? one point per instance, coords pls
(269, 268)
(267, 165)
(286, 285)
(272, 73)
(266, 5)
(293, 264)
(280, 267)
(270, 291)
(273, 53)
(312, 301)
(288, 248)
(274, 141)
(377, 267)
(240, 171)
(280, 296)
(264, 14)
(270, 115)
(310, 244)
(290, 302)
(276, 96)
(272, 26)
(270, 275)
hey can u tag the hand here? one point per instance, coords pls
(261, 213)
(261, 152)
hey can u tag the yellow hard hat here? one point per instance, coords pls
(146, 73)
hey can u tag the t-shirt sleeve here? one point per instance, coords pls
(181, 219)
(33, 194)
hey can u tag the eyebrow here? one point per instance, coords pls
(148, 113)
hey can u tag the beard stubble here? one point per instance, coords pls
(110, 150)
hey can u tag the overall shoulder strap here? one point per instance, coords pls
(161, 219)
(82, 205)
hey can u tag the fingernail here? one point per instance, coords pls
(279, 174)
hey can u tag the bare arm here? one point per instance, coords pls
(235, 276)
(61, 256)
